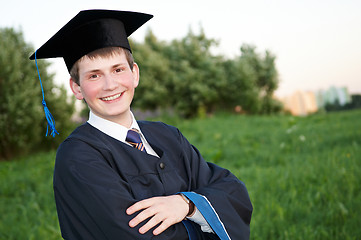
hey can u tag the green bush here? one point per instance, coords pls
(186, 76)
(22, 118)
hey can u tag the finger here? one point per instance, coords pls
(155, 220)
(139, 206)
(162, 227)
(143, 215)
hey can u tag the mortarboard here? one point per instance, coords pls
(89, 30)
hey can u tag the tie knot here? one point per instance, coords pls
(133, 138)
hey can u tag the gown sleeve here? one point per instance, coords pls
(91, 198)
(219, 195)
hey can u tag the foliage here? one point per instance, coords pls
(185, 76)
(302, 174)
(336, 106)
(198, 77)
(22, 120)
(154, 74)
(252, 80)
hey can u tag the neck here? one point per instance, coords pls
(125, 120)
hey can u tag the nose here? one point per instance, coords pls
(110, 83)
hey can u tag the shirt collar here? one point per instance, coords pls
(112, 129)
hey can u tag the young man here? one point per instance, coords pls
(118, 178)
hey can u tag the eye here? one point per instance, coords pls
(93, 76)
(118, 70)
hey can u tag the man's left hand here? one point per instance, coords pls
(167, 210)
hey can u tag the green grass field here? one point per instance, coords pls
(302, 173)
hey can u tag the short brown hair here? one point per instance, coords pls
(104, 53)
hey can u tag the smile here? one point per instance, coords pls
(111, 97)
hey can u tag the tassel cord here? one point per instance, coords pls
(49, 118)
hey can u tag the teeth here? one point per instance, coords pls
(112, 97)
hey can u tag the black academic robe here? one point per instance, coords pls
(97, 177)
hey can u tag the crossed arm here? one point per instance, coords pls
(165, 211)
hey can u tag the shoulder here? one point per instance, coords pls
(158, 128)
(154, 124)
(84, 137)
(85, 146)
(83, 131)
(89, 134)
(167, 133)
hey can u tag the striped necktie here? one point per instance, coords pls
(133, 138)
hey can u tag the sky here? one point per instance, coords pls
(317, 43)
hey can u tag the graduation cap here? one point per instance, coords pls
(89, 30)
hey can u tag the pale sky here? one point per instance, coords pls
(317, 42)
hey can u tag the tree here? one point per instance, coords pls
(198, 75)
(152, 92)
(252, 78)
(241, 88)
(185, 76)
(182, 75)
(22, 120)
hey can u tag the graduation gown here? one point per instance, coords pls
(96, 178)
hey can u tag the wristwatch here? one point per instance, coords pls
(190, 204)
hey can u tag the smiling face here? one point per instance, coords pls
(107, 85)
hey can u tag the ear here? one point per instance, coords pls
(75, 88)
(135, 72)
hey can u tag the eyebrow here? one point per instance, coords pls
(113, 66)
(118, 65)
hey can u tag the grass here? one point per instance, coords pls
(302, 174)
(27, 208)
